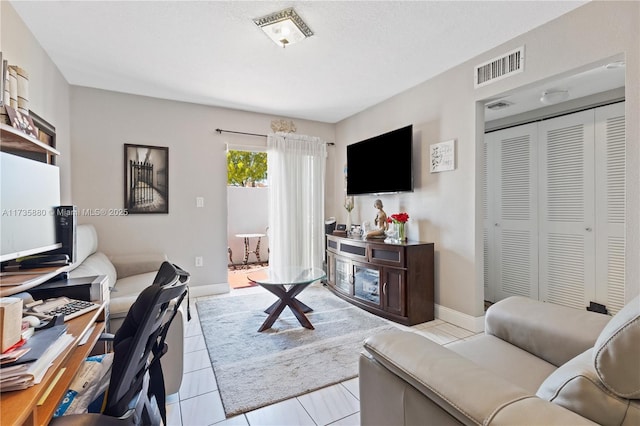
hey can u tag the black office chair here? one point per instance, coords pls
(136, 395)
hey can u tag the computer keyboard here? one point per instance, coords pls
(70, 308)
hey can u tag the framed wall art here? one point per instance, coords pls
(21, 122)
(442, 156)
(3, 77)
(46, 131)
(46, 134)
(146, 179)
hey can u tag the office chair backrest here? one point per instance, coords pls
(167, 274)
(140, 340)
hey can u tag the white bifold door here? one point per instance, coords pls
(512, 223)
(554, 212)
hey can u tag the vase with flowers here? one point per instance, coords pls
(399, 221)
(348, 205)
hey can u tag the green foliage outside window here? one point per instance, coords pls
(246, 168)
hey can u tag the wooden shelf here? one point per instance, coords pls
(21, 407)
(11, 284)
(14, 139)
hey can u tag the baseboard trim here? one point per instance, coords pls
(208, 289)
(475, 324)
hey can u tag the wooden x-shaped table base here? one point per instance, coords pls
(286, 298)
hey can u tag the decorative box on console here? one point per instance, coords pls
(10, 321)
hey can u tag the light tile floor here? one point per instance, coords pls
(198, 402)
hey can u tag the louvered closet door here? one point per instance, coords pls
(486, 227)
(610, 211)
(513, 233)
(567, 217)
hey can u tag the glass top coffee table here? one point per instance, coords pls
(286, 284)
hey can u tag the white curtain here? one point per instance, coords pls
(296, 174)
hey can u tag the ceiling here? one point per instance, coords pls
(599, 79)
(211, 52)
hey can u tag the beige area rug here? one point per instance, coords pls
(256, 369)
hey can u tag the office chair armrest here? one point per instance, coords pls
(106, 337)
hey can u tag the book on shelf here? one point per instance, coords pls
(40, 343)
(29, 369)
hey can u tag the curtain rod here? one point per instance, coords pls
(220, 131)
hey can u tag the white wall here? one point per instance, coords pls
(445, 207)
(103, 121)
(48, 90)
(248, 210)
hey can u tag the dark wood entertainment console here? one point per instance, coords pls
(394, 281)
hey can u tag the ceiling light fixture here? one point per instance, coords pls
(498, 105)
(284, 27)
(550, 97)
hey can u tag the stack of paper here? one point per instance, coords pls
(11, 357)
(29, 369)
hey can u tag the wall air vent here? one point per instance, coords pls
(497, 105)
(499, 68)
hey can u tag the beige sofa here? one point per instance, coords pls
(537, 364)
(128, 275)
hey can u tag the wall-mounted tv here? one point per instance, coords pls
(382, 164)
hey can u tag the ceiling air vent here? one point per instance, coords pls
(499, 68)
(497, 105)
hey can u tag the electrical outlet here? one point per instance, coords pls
(199, 261)
(199, 201)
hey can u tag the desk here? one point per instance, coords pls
(21, 407)
(297, 279)
(247, 251)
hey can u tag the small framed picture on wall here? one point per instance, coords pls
(442, 156)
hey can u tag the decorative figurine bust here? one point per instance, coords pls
(380, 221)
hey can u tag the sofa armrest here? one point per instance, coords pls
(534, 410)
(552, 332)
(134, 264)
(453, 382)
(466, 391)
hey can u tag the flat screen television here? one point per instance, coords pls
(382, 164)
(29, 193)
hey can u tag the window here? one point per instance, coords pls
(245, 168)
